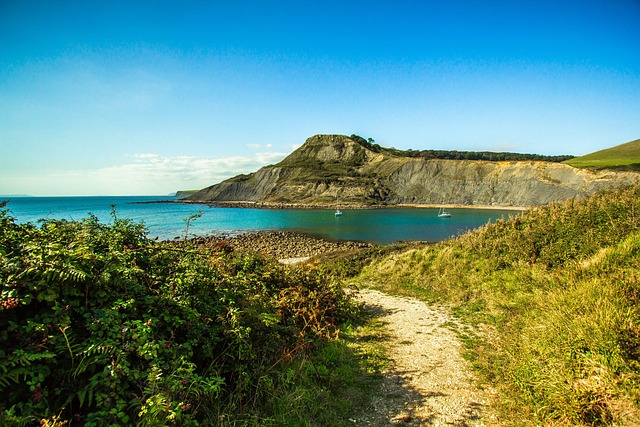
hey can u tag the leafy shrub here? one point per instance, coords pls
(100, 325)
(558, 234)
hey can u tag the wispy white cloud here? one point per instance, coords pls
(259, 146)
(143, 173)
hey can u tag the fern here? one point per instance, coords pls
(92, 356)
(85, 394)
(15, 367)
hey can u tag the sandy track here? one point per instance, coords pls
(428, 383)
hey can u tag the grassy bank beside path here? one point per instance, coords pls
(553, 299)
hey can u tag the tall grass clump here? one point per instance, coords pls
(555, 295)
(100, 325)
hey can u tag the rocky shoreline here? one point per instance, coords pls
(282, 245)
(279, 205)
(345, 206)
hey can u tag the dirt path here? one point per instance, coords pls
(428, 383)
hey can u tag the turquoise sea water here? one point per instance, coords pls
(167, 220)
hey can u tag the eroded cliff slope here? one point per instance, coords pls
(328, 167)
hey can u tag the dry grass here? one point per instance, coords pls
(556, 290)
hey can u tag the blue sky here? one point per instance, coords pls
(151, 97)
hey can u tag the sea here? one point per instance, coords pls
(166, 220)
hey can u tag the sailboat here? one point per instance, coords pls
(338, 211)
(443, 214)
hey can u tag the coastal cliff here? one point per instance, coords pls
(331, 167)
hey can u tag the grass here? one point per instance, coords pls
(624, 156)
(347, 264)
(554, 295)
(332, 387)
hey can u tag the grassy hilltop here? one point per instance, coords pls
(623, 156)
(552, 298)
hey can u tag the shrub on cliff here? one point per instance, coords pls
(99, 325)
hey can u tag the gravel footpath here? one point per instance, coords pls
(428, 382)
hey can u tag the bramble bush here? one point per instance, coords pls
(101, 325)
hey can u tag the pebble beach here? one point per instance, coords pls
(283, 245)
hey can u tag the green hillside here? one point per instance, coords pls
(623, 156)
(552, 303)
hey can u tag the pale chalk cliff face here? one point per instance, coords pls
(328, 167)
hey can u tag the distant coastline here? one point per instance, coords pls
(308, 206)
(328, 169)
(185, 193)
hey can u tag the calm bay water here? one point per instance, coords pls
(167, 220)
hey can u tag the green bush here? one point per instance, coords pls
(561, 233)
(100, 325)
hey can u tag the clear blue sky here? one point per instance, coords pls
(149, 97)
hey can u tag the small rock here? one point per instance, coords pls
(402, 418)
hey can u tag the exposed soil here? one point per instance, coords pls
(428, 383)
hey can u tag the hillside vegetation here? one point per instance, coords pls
(553, 298)
(99, 325)
(623, 156)
(490, 156)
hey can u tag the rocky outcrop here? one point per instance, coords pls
(467, 182)
(330, 167)
(181, 194)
